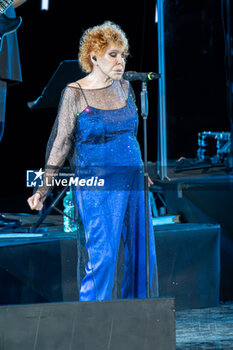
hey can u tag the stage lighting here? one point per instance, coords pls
(45, 5)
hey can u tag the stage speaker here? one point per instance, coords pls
(135, 324)
(188, 258)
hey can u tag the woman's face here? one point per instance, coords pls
(112, 62)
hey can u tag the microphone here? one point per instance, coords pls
(131, 76)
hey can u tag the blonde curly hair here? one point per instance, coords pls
(97, 39)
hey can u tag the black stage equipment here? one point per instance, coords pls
(205, 198)
(140, 324)
(214, 146)
(43, 266)
(68, 71)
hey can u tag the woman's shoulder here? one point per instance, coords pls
(74, 88)
(85, 84)
(71, 92)
(74, 84)
(80, 84)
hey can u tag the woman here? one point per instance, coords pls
(96, 129)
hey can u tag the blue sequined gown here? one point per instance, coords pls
(96, 130)
(107, 146)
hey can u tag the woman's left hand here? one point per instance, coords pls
(150, 182)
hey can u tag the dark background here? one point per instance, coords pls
(195, 72)
(195, 77)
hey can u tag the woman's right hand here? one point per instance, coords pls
(35, 202)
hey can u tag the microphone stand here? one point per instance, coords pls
(144, 77)
(144, 114)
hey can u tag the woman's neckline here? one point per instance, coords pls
(104, 110)
(82, 88)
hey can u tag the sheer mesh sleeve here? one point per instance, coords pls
(60, 142)
(130, 92)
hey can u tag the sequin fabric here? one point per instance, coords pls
(96, 130)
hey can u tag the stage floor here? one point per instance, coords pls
(205, 329)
